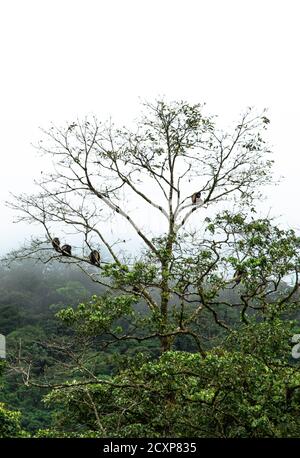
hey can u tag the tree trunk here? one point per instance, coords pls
(166, 341)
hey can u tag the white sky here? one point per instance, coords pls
(68, 58)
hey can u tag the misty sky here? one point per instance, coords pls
(70, 58)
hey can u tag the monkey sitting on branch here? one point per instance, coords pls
(66, 250)
(196, 198)
(56, 244)
(94, 258)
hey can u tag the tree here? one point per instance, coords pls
(211, 269)
(175, 152)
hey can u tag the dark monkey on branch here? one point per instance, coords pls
(94, 258)
(66, 250)
(196, 198)
(56, 244)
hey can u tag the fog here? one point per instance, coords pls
(63, 60)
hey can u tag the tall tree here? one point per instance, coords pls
(212, 278)
(178, 165)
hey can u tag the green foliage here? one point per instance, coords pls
(246, 390)
(246, 387)
(141, 273)
(98, 314)
(10, 421)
